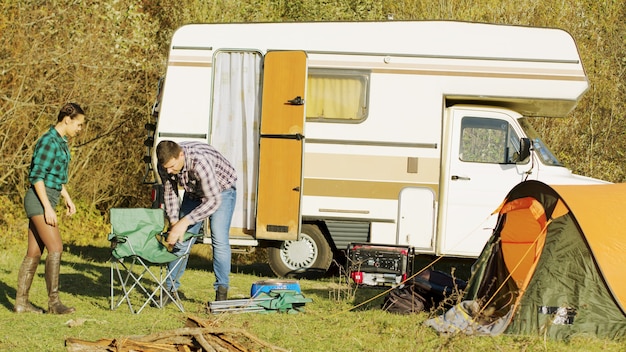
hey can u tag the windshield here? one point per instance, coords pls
(545, 155)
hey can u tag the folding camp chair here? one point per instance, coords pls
(140, 260)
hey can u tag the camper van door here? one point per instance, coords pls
(281, 146)
(482, 168)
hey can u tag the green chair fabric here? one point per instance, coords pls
(134, 232)
(136, 245)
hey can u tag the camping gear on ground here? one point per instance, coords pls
(136, 250)
(379, 265)
(407, 298)
(272, 284)
(429, 289)
(553, 266)
(276, 300)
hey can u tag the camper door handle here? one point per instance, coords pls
(296, 101)
(297, 136)
(460, 178)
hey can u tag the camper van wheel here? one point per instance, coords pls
(310, 257)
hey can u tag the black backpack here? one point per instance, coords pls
(422, 293)
(407, 298)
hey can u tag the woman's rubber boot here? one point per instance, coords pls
(53, 267)
(24, 280)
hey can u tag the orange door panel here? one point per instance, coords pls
(281, 145)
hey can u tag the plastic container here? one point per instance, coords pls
(271, 284)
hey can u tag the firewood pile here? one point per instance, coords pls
(196, 336)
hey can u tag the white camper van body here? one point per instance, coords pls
(421, 159)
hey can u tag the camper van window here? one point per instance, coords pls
(513, 147)
(488, 141)
(337, 95)
(544, 153)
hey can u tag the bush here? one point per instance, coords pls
(87, 227)
(13, 221)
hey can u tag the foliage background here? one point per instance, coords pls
(108, 56)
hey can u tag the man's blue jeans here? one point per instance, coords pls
(219, 223)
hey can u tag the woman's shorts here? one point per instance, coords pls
(32, 204)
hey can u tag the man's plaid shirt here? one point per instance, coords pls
(205, 175)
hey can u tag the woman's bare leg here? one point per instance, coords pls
(42, 235)
(49, 237)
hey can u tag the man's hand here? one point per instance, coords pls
(177, 231)
(174, 236)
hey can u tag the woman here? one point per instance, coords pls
(48, 176)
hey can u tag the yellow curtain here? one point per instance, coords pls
(335, 97)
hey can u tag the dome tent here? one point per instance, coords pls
(553, 266)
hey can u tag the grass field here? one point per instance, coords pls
(330, 322)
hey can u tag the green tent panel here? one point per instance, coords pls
(567, 278)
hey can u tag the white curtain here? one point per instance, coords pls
(235, 124)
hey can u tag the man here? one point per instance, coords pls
(208, 180)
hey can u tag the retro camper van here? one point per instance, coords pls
(374, 140)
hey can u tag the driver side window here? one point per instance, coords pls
(486, 140)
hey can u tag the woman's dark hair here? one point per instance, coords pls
(70, 109)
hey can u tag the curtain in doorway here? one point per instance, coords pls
(235, 123)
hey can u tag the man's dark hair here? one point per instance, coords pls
(166, 150)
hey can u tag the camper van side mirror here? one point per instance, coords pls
(524, 149)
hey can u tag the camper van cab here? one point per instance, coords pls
(376, 141)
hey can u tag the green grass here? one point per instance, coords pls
(330, 322)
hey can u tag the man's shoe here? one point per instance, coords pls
(221, 294)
